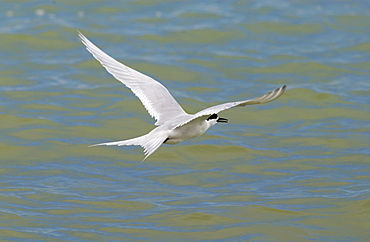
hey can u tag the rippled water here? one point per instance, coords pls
(296, 169)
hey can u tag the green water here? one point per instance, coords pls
(296, 169)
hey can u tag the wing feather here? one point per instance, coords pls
(157, 100)
(268, 97)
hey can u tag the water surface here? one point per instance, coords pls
(296, 169)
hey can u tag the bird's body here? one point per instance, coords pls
(190, 130)
(174, 124)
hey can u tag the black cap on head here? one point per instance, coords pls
(213, 116)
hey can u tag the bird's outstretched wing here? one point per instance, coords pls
(268, 97)
(154, 96)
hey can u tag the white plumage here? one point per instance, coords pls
(174, 124)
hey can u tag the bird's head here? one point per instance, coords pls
(213, 119)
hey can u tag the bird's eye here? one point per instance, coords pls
(213, 116)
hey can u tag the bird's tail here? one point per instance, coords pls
(150, 142)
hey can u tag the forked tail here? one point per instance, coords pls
(150, 142)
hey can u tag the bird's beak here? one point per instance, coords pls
(222, 120)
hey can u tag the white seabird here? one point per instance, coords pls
(174, 124)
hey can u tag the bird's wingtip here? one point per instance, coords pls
(79, 33)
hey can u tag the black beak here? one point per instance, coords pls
(222, 120)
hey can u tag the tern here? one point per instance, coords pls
(174, 124)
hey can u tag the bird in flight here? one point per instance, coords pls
(174, 124)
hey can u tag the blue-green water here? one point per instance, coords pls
(296, 169)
